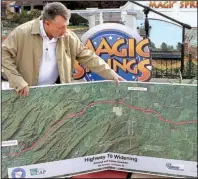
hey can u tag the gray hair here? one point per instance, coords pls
(51, 10)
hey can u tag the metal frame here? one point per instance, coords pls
(147, 9)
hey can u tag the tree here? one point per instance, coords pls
(152, 46)
(170, 48)
(93, 4)
(179, 46)
(191, 36)
(193, 51)
(164, 47)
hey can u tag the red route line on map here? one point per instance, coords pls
(102, 102)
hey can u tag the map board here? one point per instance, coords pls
(65, 130)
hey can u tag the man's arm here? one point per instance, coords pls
(94, 63)
(9, 52)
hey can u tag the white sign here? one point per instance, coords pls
(137, 89)
(106, 161)
(9, 143)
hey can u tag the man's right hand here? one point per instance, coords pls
(24, 91)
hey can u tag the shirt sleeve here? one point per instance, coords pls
(93, 62)
(9, 68)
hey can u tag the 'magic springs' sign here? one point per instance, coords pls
(122, 49)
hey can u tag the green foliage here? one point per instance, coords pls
(77, 20)
(190, 70)
(170, 48)
(152, 46)
(181, 79)
(25, 16)
(35, 13)
(178, 46)
(164, 47)
(90, 4)
(177, 74)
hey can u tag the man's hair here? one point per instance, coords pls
(51, 10)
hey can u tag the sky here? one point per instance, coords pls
(162, 31)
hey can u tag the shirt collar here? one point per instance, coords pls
(42, 30)
(43, 33)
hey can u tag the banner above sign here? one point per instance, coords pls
(123, 49)
(171, 4)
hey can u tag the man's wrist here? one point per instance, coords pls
(19, 86)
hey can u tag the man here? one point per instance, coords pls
(42, 50)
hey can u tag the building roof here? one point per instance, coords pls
(29, 2)
(166, 55)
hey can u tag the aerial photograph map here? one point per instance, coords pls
(69, 121)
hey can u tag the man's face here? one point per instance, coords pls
(56, 27)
